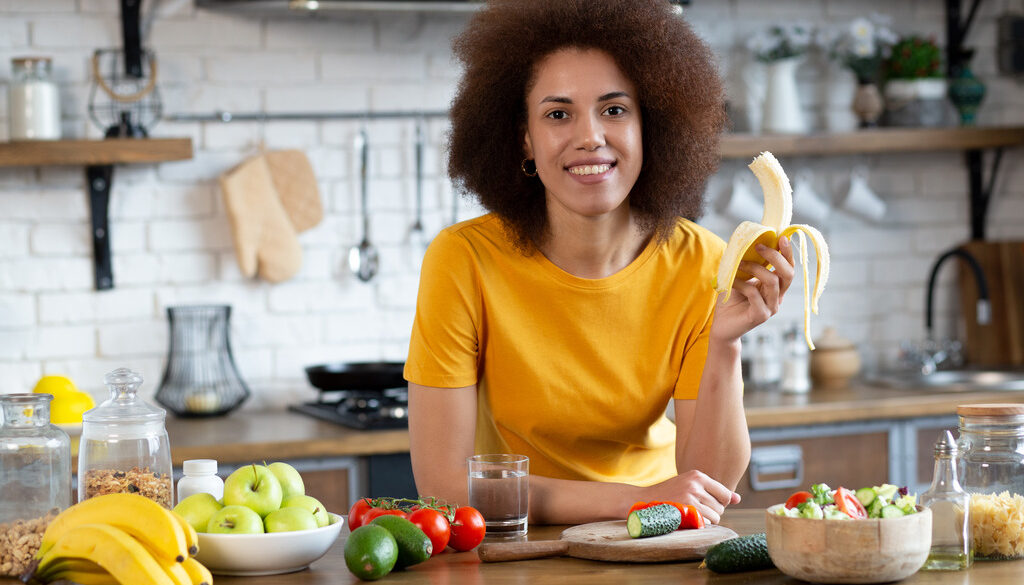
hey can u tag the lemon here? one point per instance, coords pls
(69, 407)
(55, 385)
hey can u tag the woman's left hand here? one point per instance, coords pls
(753, 301)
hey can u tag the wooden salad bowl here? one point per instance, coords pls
(850, 551)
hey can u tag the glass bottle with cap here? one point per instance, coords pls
(991, 467)
(200, 477)
(951, 549)
(35, 460)
(33, 100)
(124, 446)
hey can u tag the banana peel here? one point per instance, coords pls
(775, 223)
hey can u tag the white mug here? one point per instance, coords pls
(808, 206)
(741, 203)
(860, 200)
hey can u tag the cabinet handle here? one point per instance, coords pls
(774, 460)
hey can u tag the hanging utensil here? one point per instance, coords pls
(363, 258)
(417, 235)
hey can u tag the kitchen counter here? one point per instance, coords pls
(277, 435)
(466, 568)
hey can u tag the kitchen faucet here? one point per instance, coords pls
(931, 359)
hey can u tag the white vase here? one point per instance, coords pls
(782, 112)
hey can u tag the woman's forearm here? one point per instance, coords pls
(718, 442)
(563, 501)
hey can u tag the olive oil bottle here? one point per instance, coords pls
(952, 548)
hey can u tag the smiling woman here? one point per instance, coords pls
(562, 324)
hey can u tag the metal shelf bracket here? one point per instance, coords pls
(99, 178)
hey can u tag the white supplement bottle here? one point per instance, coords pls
(200, 476)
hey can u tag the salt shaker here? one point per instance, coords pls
(952, 548)
(796, 361)
(764, 364)
(33, 101)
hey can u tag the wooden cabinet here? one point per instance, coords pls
(330, 486)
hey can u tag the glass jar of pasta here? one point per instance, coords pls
(991, 469)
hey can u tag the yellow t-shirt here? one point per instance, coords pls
(574, 373)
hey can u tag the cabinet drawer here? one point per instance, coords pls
(850, 460)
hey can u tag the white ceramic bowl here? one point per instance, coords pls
(849, 551)
(266, 554)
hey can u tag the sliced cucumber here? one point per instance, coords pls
(865, 495)
(746, 553)
(891, 511)
(660, 519)
(875, 509)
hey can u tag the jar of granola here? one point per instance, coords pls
(35, 477)
(991, 469)
(124, 446)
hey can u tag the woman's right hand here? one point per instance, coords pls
(695, 488)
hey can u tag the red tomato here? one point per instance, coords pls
(468, 529)
(691, 518)
(357, 512)
(847, 502)
(797, 499)
(375, 512)
(435, 526)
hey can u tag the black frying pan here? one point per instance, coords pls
(357, 376)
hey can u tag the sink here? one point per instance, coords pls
(965, 380)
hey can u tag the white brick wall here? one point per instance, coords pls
(172, 241)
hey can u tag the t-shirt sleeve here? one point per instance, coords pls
(690, 373)
(444, 345)
(702, 310)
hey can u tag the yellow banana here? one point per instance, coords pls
(113, 549)
(200, 574)
(775, 223)
(85, 578)
(153, 525)
(177, 573)
(191, 538)
(68, 566)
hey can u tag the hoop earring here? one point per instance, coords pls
(522, 165)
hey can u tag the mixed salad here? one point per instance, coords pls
(883, 501)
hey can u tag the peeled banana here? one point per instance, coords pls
(113, 549)
(775, 223)
(154, 526)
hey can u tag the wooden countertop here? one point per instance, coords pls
(452, 568)
(242, 436)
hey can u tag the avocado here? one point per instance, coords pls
(414, 545)
(745, 553)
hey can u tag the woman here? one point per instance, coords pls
(559, 325)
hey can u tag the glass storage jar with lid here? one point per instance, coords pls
(35, 460)
(991, 468)
(124, 446)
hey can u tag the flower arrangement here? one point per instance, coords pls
(864, 46)
(780, 41)
(914, 57)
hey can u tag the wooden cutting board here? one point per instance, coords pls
(1001, 341)
(609, 541)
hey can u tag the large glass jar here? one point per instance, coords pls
(35, 460)
(124, 446)
(991, 468)
(33, 101)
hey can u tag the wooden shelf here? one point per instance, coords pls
(94, 152)
(871, 141)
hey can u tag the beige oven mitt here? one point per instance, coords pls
(265, 241)
(296, 187)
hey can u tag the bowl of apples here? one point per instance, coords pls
(264, 525)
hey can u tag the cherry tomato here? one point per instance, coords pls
(797, 499)
(375, 512)
(468, 529)
(847, 502)
(691, 518)
(357, 512)
(434, 525)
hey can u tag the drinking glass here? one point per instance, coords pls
(499, 487)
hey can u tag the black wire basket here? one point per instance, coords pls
(200, 378)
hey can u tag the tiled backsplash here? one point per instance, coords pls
(172, 242)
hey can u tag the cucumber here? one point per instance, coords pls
(891, 511)
(875, 509)
(660, 519)
(865, 495)
(746, 553)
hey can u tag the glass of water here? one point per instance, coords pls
(499, 487)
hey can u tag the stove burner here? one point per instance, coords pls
(360, 409)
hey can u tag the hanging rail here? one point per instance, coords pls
(221, 116)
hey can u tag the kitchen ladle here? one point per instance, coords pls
(363, 258)
(417, 235)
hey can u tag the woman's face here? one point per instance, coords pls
(583, 132)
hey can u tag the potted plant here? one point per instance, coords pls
(862, 48)
(915, 88)
(781, 48)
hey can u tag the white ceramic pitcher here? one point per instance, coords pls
(782, 113)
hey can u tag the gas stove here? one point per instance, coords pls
(360, 409)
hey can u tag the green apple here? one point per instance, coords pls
(289, 520)
(197, 510)
(291, 481)
(311, 504)
(235, 520)
(255, 487)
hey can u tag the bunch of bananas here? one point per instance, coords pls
(119, 539)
